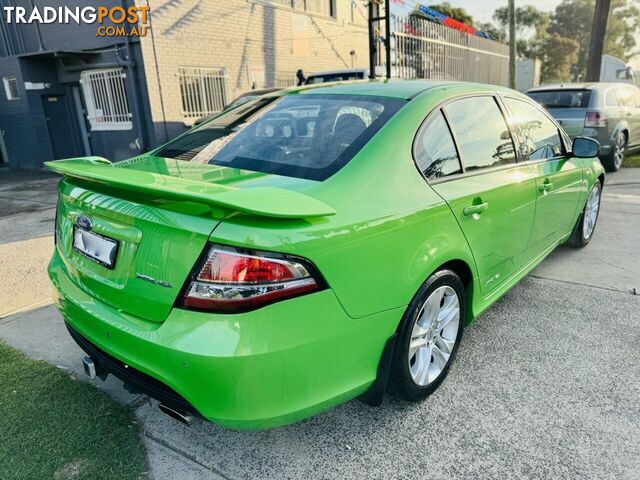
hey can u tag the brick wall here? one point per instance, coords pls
(257, 42)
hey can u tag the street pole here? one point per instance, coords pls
(387, 37)
(372, 45)
(512, 44)
(598, 31)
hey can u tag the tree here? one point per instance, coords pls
(559, 56)
(573, 19)
(528, 17)
(457, 13)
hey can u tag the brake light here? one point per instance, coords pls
(233, 281)
(595, 119)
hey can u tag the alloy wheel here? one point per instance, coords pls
(619, 150)
(591, 211)
(434, 335)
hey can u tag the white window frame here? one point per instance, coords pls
(105, 97)
(7, 87)
(303, 5)
(203, 91)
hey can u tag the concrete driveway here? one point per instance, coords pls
(546, 383)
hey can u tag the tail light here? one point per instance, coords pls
(595, 119)
(231, 280)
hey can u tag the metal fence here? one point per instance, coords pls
(285, 79)
(424, 49)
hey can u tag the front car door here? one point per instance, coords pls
(490, 194)
(558, 176)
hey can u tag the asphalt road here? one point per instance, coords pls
(546, 384)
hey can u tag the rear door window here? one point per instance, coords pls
(434, 150)
(625, 94)
(482, 134)
(636, 97)
(541, 139)
(305, 136)
(611, 98)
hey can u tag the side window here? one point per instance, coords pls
(483, 137)
(611, 98)
(540, 135)
(636, 97)
(434, 150)
(625, 94)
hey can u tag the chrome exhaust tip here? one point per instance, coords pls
(176, 415)
(89, 367)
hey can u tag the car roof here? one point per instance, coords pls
(404, 89)
(576, 86)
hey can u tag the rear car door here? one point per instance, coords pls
(630, 98)
(491, 195)
(558, 177)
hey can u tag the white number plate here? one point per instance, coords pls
(98, 248)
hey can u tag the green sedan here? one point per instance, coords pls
(314, 245)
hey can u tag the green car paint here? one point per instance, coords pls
(375, 230)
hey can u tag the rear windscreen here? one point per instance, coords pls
(562, 98)
(303, 136)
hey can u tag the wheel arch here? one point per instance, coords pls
(621, 127)
(625, 130)
(375, 394)
(463, 270)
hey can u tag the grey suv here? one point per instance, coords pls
(607, 112)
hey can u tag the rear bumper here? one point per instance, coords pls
(140, 381)
(602, 135)
(259, 369)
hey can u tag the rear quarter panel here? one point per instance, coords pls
(391, 230)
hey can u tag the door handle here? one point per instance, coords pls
(473, 209)
(545, 187)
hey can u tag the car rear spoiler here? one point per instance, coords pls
(264, 201)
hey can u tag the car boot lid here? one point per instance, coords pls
(264, 201)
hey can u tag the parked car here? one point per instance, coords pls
(607, 112)
(338, 76)
(239, 100)
(312, 247)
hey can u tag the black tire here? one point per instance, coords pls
(613, 161)
(401, 378)
(579, 238)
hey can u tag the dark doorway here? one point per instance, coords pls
(60, 127)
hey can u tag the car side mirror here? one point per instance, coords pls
(584, 147)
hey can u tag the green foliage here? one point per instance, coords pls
(528, 18)
(558, 55)
(55, 427)
(457, 13)
(561, 39)
(632, 161)
(574, 18)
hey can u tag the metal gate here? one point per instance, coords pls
(424, 49)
